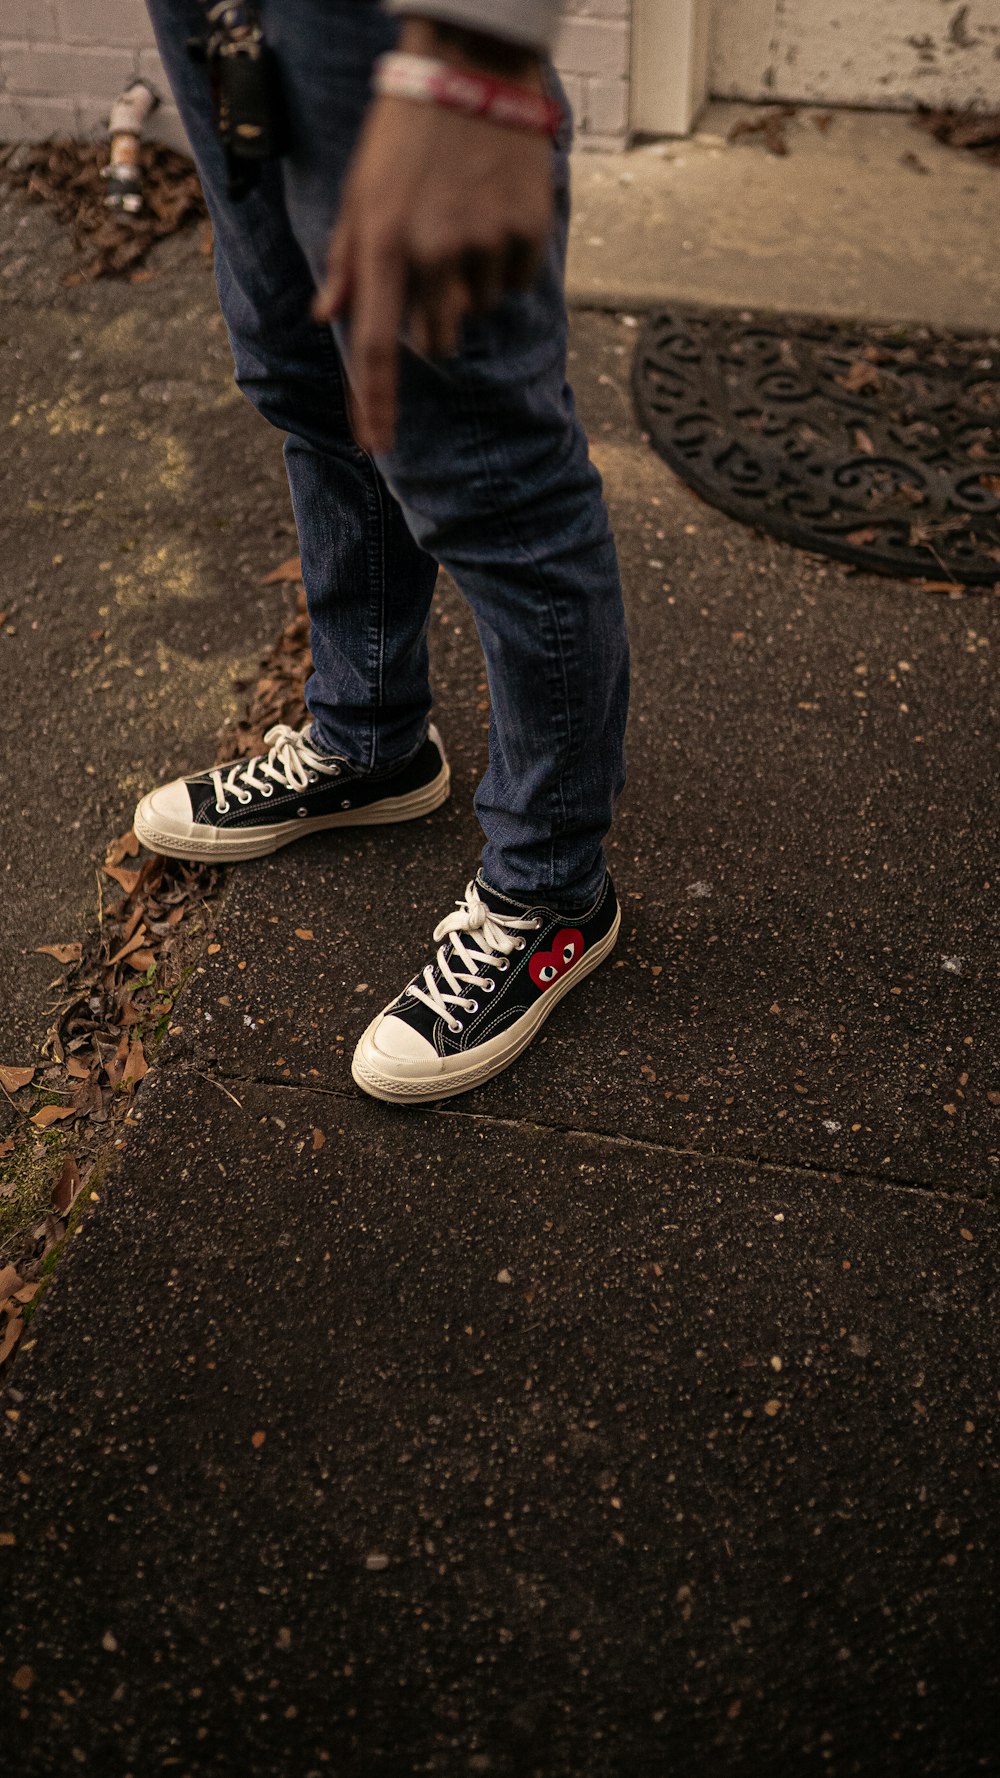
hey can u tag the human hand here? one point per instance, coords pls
(441, 214)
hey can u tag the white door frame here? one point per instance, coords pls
(669, 65)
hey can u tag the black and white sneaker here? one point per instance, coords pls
(253, 806)
(501, 969)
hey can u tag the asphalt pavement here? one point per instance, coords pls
(632, 1414)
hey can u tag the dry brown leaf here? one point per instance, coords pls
(88, 1100)
(26, 1294)
(67, 1187)
(131, 944)
(141, 961)
(78, 1070)
(12, 1079)
(10, 1280)
(258, 1439)
(303, 932)
(14, 1330)
(126, 879)
(868, 535)
(862, 442)
(940, 586)
(116, 1067)
(125, 846)
(132, 923)
(6, 1147)
(860, 376)
(51, 1114)
(319, 1137)
(61, 953)
(137, 1067)
(290, 570)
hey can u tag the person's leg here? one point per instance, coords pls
(491, 469)
(368, 583)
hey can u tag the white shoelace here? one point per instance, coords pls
(290, 762)
(494, 942)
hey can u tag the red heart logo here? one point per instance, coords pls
(547, 966)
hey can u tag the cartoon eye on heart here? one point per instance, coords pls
(547, 966)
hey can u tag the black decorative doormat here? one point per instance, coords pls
(874, 445)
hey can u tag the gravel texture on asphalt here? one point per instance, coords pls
(630, 1414)
(439, 1444)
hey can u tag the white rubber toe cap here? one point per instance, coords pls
(393, 1040)
(170, 804)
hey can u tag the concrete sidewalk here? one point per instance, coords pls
(633, 1414)
(865, 218)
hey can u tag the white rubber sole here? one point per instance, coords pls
(458, 1074)
(190, 840)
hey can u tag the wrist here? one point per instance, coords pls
(431, 80)
(462, 48)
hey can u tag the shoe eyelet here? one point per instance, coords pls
(346, 803)
(335, 771)
(222, 808)
(454, 1026)
(244, 796)
(312, 777)
(473, 1005)
(502, 966)
(489, 986)
(267, 790)
(521, 945)
(302, 811)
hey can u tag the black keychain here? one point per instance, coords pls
(246, 92)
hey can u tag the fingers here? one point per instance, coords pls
(334, 296)
(377, 301)
(440, 296)
(522, 261)
(483, 272)
(439, 300)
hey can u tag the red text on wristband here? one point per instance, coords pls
(433, 82)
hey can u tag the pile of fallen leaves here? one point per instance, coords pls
(117, 996)
(279, 691)
(963, 129)
(115, 1003)
(67, 175)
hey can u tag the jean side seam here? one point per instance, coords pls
(502, 513)
(380, 668)
(375, 509)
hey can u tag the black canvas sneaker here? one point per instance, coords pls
(253, 806)
(501, 969)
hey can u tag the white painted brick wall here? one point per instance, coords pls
(592, 54)
(63, 62)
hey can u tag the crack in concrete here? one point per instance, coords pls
(847, 1176)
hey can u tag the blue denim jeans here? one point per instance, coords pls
(489, 477)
